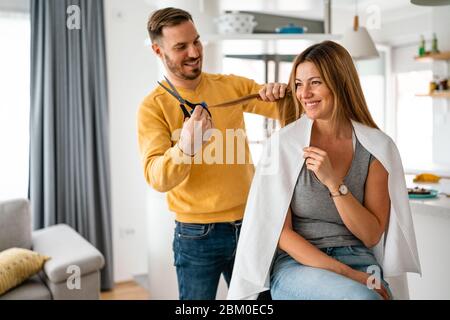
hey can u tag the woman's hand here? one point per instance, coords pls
(363, 278)
(272, 91)
(318, 162)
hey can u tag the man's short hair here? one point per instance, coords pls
(166, 17)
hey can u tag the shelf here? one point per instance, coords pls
(434, 56)
(436, 94)
(272, 36)
(316, 37)
(264, 57)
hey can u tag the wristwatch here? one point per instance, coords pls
(342, 191)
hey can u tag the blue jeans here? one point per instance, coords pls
(291, 280)
(202, 252)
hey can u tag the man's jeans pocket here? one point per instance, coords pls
(193, 231)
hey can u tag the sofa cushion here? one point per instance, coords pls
(32, 289)
(17, 265)
(15, 224)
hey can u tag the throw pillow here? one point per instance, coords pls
(17, 265)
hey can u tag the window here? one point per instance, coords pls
(414, 119)
(255, 69)
(254, 124)
(14, 104)
(372, 75)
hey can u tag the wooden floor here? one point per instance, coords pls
(125, 291)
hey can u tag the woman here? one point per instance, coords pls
(338, 204)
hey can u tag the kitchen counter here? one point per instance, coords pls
(441, 170)
(431, 219)
(439, 205)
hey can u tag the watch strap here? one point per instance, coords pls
(337, 193)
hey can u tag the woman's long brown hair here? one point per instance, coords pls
(339, 74)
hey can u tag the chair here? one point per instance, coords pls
(71, 256)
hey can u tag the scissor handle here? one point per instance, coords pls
(193, 105)
(186, 113)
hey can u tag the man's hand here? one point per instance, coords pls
(273, 91)
(195, 132)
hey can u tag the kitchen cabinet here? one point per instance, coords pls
(316, 37)
(431, 219)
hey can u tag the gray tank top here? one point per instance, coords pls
(314, 215)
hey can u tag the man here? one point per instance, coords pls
(208, 197)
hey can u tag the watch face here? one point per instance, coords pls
(343, 189)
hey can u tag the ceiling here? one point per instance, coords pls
(385, 5)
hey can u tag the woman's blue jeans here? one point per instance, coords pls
(202, 252)
(291, 280)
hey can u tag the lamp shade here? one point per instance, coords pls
(359, 44)
(431, 2)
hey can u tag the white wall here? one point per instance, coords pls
(404, 35)
(401, 28)
(132, 74)
(398, 26)
(441, 107)
(15, 5)
(404, 26)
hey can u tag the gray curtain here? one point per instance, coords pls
(69, 154)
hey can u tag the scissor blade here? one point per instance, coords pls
(174, 94)
(174, 90)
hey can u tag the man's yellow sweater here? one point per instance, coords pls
(199, 192)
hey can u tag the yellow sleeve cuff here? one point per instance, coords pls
(179, 157)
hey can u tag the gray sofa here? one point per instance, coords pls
(71, 255)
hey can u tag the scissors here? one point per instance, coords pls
(183, 102)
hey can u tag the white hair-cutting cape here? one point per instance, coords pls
(271, 193)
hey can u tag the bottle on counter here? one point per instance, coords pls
(434, 44)
(422, 46)
(443, 85)
(433, 86)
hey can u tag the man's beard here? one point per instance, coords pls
(177, 70)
